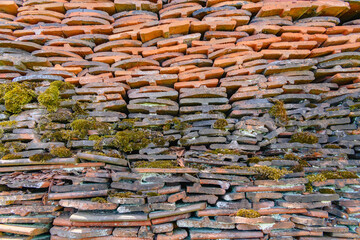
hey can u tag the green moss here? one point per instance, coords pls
(297, 168)
(176, 124)
(126, 124)
(220, 124)
(279, 112)
(332, 146)
(136, 139)
(17, 97)
(327, 191)
(225, 151)
(41, 157)
(248, 213)
(157, 164)
(291, 156)
(50, 98)
(121, 194)
(152, 194)
(61, 152)
(59, 135)
(263, 172)
(304, 137)
(8, 124)
(62, 86)
(94, 137)
(11, 156)
(339, 174)
(82, 126)
(16, 146)
(79, 109)
(99, 200)
(314, 178)
(258, 159)
(61, 115)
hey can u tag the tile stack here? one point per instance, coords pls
(177, 119)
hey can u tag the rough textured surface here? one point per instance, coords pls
(177, 119)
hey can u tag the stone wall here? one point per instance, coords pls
(179, 119)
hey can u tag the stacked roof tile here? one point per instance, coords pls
(179, 119)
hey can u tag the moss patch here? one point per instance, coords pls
(279, 112)
(304, 137)
(248, 213)
(136, 139)
(339, 174)
(263, 172)
(17, 97)
(176, 124)
(152, 194)
(314, 178)
(99, 200)
(327, 191)
(61, 152)
(7, 123)
(41, 157)
(225, 151)
(11, 156)
(157, 164)
(121, 194)
(220, 124)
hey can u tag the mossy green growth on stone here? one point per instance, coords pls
(50, 98)
(99, 200)
(152, 194)
(7, 123)
(136, 139)
(314, 178)
(82, 126)
(327, 191)
(41, 157)
(17, 97)
(247, 213)
(340, 174)
(263, 172)
(332, 146)
(291, 156)
(266, 172)
(279, 112)
(157, 164)
(220, 124)
(176, 124)
(62, 86)
(11, 156)
(126, 124)
(304, 137)
(121, 194)
(257, 159)
(61, 152)
(58, 135)
(224, 151)
(15, 146)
